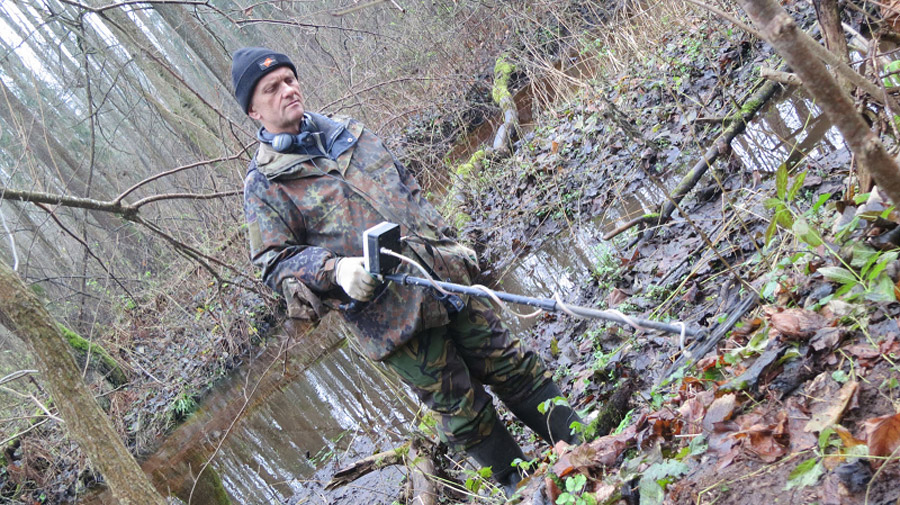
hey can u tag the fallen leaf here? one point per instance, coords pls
(847, 438)
(608, 448)
(747, 328)
(825, 338)
(796, 323)
(883, 436)
(863, 351)
(766, 442)
(707, 363)
(603, 493)
(615, 297)
(889, 345)
(889, 12)
(692, 412)
(834, 409)
(553, 490)
(720, 410)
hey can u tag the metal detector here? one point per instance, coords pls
(386, 237)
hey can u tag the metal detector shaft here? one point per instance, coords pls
(544, 303)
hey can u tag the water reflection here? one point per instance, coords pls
(341, 410)
(786, 132)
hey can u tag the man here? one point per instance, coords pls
(313, 187)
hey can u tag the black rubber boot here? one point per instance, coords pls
(553, 425)
(498, 451)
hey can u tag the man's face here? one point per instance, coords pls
(277, 102)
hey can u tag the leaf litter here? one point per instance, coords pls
(799, 402)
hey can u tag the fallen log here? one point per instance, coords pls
(367, 465)
(416, 455)
(508, 131)
(720, 145)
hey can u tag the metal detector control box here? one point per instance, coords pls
(381, 236)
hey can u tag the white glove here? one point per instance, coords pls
(351, 275)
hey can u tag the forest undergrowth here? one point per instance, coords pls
(798, 401)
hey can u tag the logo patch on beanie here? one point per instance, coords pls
(266, 63)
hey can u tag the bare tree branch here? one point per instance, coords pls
(98, 10)
(160, 175)
(181, 196)
(87, 251)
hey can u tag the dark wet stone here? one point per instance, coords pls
(854, 475)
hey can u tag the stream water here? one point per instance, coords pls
(277, 430)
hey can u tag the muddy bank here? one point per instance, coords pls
(740, 420)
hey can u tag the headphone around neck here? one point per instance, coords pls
(284, 142)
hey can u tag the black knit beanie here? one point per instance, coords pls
(249, 65)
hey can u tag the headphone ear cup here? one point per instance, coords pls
(283, 142)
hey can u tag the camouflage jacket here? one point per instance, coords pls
(305, 212)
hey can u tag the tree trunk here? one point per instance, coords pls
(22, 313)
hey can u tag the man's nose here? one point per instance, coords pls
(287, 90)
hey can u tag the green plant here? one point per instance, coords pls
(606, 266)
(808, 472)
(183, 404)
(476, 479)
(573, 495)
(864, 277)
(656, 477)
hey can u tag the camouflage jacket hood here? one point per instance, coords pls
(305, 212)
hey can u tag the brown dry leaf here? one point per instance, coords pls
(765, 442)
(847, 438)
(890, 12)
(707, 363)
(692, 412)
(798, 416)
(796, 323)
(883, 436)
(665, 424)
(608, 448)
(825, 338)
(720, 410)
(554, 147)
(748, 328)
(889, 345)
(553, 490)
(834, 409)
(615, 297)
(582, 456)
(862, 351)
(604, 492)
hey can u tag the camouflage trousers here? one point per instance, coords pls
(449, 366)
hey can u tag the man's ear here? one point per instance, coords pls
(252, 113)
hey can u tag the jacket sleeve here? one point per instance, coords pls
(277, 238)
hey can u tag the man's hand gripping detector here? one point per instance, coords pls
(386, 236)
